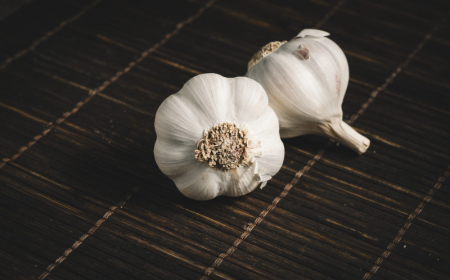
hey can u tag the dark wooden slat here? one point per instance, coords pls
(360, 223)
(385, 173)
(49, 97)
(432, 209)
(8, 272)
(30, 196)
(442, 34)
(82, 188)
(361, 177)
(414, 251)
(403, 23)
(54, 191)
(9, 7)
(424, 10)
(133, 255)
(411, 10)
(102, 271)
(21, 269)
(371, 29)
(160, 254)
(387, 204)
(12, 141)
(354, 206)
(430, 72)
(421, 91)
(39, 20)
(27, 249)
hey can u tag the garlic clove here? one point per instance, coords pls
(312, 32)
(240, 182)
(248, 102)
(201, 183)
(269, 160)
(209, 106)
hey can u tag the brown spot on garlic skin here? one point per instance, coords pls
(223, 147)
(302, 52)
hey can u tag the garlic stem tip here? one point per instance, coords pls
(345, 134)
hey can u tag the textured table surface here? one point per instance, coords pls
(82, 198)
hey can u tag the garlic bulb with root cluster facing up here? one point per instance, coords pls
(218, 136)
(306, 79)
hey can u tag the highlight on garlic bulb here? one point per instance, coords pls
(218, 136)
(305, 80)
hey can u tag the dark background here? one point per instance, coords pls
(82, 198)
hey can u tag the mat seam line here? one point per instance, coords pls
(249, 227)
(406, 226)
(91, 231)
(329, 14)
(48, 35)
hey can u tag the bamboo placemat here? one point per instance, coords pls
(82, 197)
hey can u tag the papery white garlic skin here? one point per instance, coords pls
(306, 80)
(205, 101)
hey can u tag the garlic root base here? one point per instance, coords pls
(345, 134)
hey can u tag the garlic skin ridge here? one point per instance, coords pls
(205, 101)
(306, 80)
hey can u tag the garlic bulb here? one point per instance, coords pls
(306, 79)
(218, 136)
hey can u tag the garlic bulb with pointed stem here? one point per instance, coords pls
(306, 79)
(218, 136)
